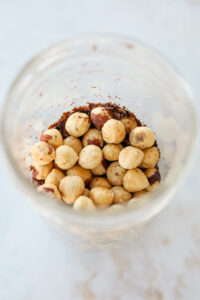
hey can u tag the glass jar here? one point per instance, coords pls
(100, 68)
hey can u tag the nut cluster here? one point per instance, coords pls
(99, 156)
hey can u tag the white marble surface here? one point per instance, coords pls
(164, 262)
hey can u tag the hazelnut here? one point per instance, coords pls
(135, 180)
(74, 143)
(114, 208)
(40, 172)
(85, 174)
(142, 137)
(151, 157)
(99, 116)
(52, 137)
(138, 202)
(71, 187)
(130, 157)
(56, 166)
(100, 170)
(115, 173)
(100, 181)
(129, 123)
(140, 193)
(93, 137)
(43, 153)
(66, 157)
(55, 177)
(101, 196)
(111, 151)
(51, 190)
(113, 131)
(121, 195)
(86, 192)
(84, 203)
(77, 124)
(153, 176)
(90, 157)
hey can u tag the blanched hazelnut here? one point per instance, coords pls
(129, 123)
(93, 137)
(101, 169)
(53, 137)
(85, 174)
(111, 151)
(51, 190)
(77, 124)
(102, 197)
(130, 157)
(135, 180)
(113, 131)
(114, 208)
(55, 177)
(99, 116)
(56, 166)
(142, 137)
(140, 193)
(151, 157)
(138, 202)
(100, 181)
(90, 157)
(43, 153)
(84, 203)
(74, 143)
(40, 172)
(86, 192)
(66, 157)
(71, 187)
(115, 173)
(121, 195)
(153, 176)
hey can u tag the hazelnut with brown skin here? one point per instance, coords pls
(135, 180)
(100, 170)
(153, 176)
(85, 174)
(130, 157)
(51, 190)
(74, 143)
(55, 177)
(66, 157)
(121, 195)
(151, 157)
(71, 187)
(100, 181)
(84, 203)
(113, 132)
(111, 151)
(43, 153)
(53, 137)
(142, 137)
(99, 116)
(102, 197)
(115, 173)
(90, 157)
(129, 123)
(77, 124)
(40, 172)
(93, 137)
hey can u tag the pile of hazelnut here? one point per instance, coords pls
(96, 156)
